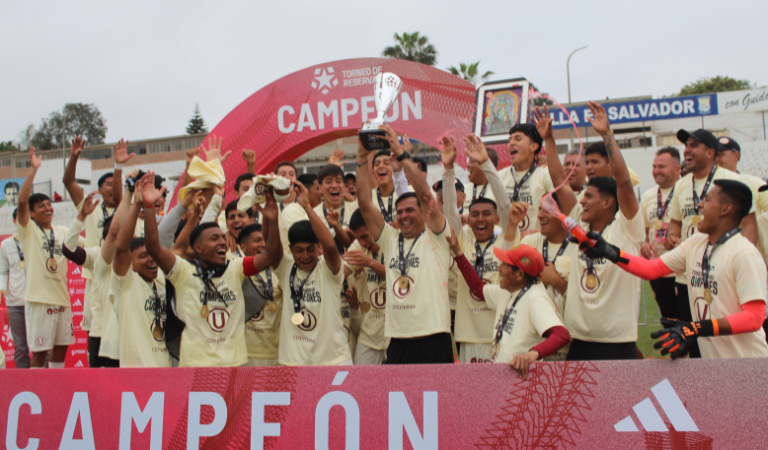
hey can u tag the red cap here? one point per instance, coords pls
(524, 257)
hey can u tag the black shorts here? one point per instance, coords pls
(666, 297)
(596, 351)
(685, 314)
(433, 349)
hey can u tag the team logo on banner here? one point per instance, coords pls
(402, 292)
(217, 319)
(310, 320)
(379, 299)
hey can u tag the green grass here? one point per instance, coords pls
(644, 341)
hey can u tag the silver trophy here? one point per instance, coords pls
(385, 91)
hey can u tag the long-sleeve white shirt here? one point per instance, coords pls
(12, 278)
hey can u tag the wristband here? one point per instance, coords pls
(148, 205)
(359, 164)
(403, 156)
(118, 166)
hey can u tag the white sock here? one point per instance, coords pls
(55, 365)
(33, 367)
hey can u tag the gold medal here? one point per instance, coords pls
(403, 283)
(696, 219)
(158, 333)
(297, 319)
(708, 296)
(22, 264)
(591, 280)
(204, 312)
(273, 306)
(365, 307)
(658, 224)
(51, 265)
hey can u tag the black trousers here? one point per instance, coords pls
(666, 297)
(595, 351)
(94, 360)
(685, 314)
(433, 349)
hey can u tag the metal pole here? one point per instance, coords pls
(645, 141)
(702, 122)
(764, 138)
(568, 72)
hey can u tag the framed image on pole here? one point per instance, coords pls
(499, 106)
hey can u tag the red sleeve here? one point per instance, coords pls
(643, 268)
(473, 280)
(750, 319)
(557, 338)
(248, 268)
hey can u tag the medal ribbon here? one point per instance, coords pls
(21, 254)
(341, 214)
(387, 213)
(705, 259)
(296, 296)
(696, 198)
(522, 181)
(207, 276)
(508, 312)
(482, 192)
(479, 262)
(268, 283)
(157, 305)
(590, 264)
(545, 249)
(660, 211)
(51, 242)
(282, 206)
(402, 260)
(104, 210)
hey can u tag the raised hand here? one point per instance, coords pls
(599, 119)
(448, 151)
(35, 162)
(333, 218)
(249, 156)
(454, 243)
(120, 152)
(191, 153)
(407, 143)
(601, 249)
(357, 258)
(352, 297)
(543, 122)
(77, 147)
(269, 210)
(475, 148)
(302, 194)
(89, 205)
(336, 157)
(214, 150)
(190, 198)
(391, 137)
(517, 212)
(149, 192)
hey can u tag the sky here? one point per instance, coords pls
(145, 64)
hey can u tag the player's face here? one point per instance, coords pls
(42, 213)
(460, 197)
(287, 172)
(364, 237)
(382, 168)
(482, 219)
(143, 264)
(351, 187)
(236, 221)
(211, 246)
(594, 205)
(333, 190)
(550, 225)
(665, 169)
(697, 155)
(510, 276)
(244, 186)
(476, 175)
(727, 159)
(520, 147)
(106, 192)
(597, 166)
(305, 255)
(254, 244)
(710, 209)
(410, 220)
(576, 179)
(315, 194)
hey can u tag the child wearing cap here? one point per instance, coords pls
(526, 326)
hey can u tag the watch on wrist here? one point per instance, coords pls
(405, 155)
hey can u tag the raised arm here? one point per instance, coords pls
(477, 151)
(122, 259)
(371, 214)
(556, 171)
(273, 253)
(120, 153)
(626, 193)
(188, 155)
(398, 174)
(334, 221)
(181, 246)
(22, 211)
(450, 210)
(331, 253)
(214, 207)
(75, 191)
(249, 156)
(165, 259)
(167, 228)
(108, 246)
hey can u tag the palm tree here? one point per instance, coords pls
(470, 73)
(412, 47)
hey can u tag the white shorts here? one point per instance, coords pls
(475, 353)
(366, 356)
(85, 324)
(262, 362)
(346, 363)
(48, 326)
(94, 300)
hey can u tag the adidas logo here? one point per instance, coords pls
(77, 271)
(79, 364)
(77, 303)
(649, 417)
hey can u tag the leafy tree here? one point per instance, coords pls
(8, 146)
(26, 135)
(470, 73)
(538, 99)
(715, 84)
(75, 119)
(196, 123)
(412, 47)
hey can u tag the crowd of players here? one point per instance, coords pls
(379, 267)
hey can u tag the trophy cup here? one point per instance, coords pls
(386, 88)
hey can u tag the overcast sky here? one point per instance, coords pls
(146, 63)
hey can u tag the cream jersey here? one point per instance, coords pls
(321, 338)
(218, 339)
(532, 316)
(474, 318)
(606, 312)
(531, 192)
(649, 208)
(142, 333)
(371, 289)
(262, 331)
(100, 272)
(453, 285)
(562, 265)
(681, 207)
(292, 213)
(238, 253)
(46, 281)
(473, 192)
(759, 199)
(737, 275)
(94, 228)
(349, 208)
(762, 234)
(385, 201)
(421, 307)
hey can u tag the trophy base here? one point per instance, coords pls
(371, 139)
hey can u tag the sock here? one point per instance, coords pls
(55, 365)
(36, 367)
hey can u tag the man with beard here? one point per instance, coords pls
(728, 158)
(335, 211)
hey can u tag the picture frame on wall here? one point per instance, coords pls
(499, 106)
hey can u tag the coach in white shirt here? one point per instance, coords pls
(13, 285)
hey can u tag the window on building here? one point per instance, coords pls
(5, 161)
(139, 149)
(22, 163)
(646, 142)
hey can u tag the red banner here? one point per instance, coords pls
(661, 404)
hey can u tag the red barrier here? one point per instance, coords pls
(638, 404)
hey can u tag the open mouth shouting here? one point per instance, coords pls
(152, 267)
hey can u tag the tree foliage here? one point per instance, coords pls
(412, 47)
(196, 123)
(538, 97)
(715, 84)
(470, 72)
(75, 119)
(8, 146)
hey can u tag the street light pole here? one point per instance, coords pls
(568, 71)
